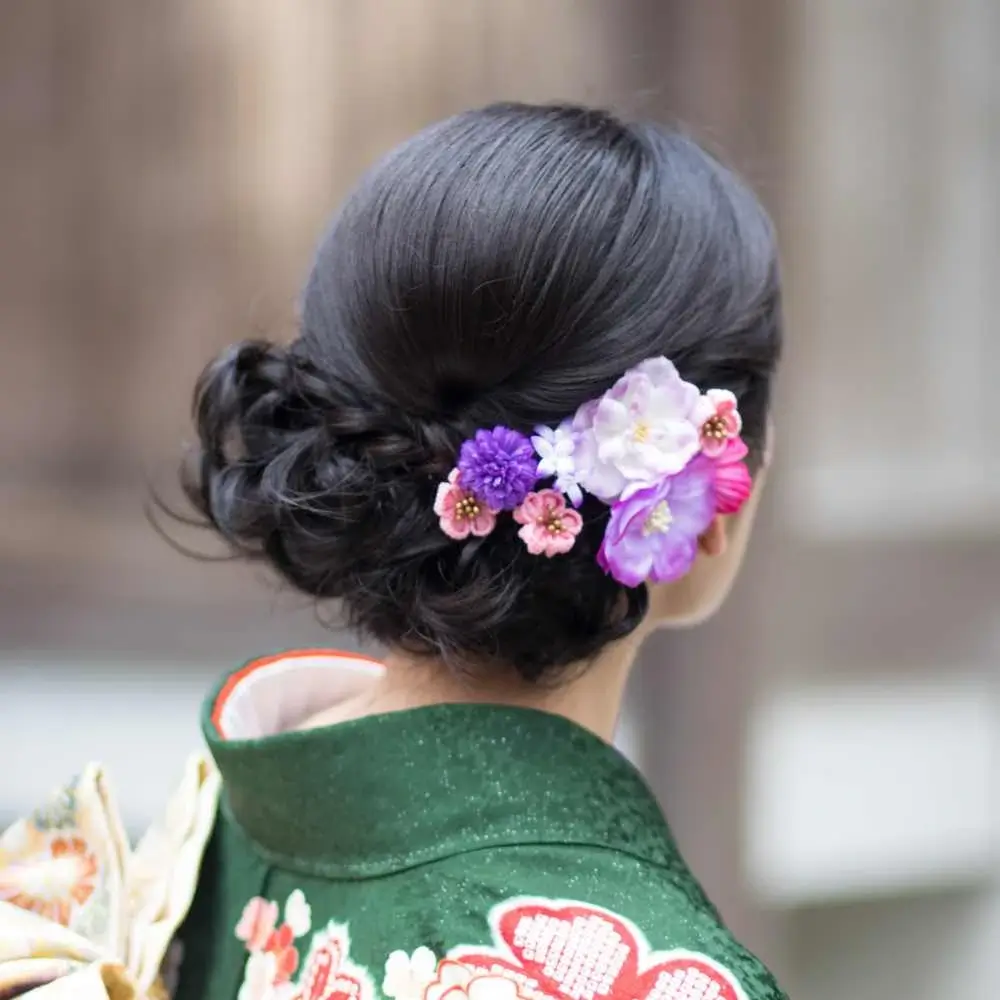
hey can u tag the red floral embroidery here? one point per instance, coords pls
(325, 977)
(286, 955)
(571, 951)
(327, 974)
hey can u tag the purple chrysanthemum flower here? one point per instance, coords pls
(653, 532)
(499, 467)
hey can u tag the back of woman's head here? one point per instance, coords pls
(501, 268)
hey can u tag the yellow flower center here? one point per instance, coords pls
(640, 432)
(553, 524)
(659, 520)
(715, 428)
(467, 509)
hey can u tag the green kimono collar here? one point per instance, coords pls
(387, 792)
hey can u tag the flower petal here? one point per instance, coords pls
(483, 523)
(692, 497)
(423, 964)
(674, 557)
(533, 537)
(456, 528)
(733, 486)
(628, 564)
(722, 400)
(452, 973)
(444, 499)
(736, 451)
(572, 521)
(298, 913)
(560, 544)
(492, 987)
(529, 510)
(572, 491)
(703, 410)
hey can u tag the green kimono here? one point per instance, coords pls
(455, 852)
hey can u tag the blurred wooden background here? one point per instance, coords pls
(166, 171)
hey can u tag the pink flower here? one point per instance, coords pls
(733, 484)
(549, 527)
(460, 512)
(257, 923)
(718, 420)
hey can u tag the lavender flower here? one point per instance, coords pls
(499, 467)
(653, 532)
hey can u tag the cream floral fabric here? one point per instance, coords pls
(82, 914)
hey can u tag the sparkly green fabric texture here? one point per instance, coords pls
(447, 827)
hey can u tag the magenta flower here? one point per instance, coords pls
(461, 513)
(733, 484)
(718, 421)
(549, 527)
(499, 467)
(654, 530)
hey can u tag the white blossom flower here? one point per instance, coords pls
(298, 913)
(556, 450)
(641, 430)
(407, 976)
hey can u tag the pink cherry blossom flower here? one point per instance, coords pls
(733, 484)
(549, 527)
(718, 421)
(257, 923)
(462, 513)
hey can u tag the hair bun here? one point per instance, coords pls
(500, 268)
(293, 466)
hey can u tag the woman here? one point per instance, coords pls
(523, 426)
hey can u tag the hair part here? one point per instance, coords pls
(502, 267)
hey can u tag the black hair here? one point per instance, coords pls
(501, 267)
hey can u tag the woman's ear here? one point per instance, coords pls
(714, 540)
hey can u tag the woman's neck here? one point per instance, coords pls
(591, 696)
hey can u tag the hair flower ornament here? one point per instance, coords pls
(653, 530)
(718, 421)
(460, 512)
(499, 466)
(664, 457)
(548, 527)
(555, 448)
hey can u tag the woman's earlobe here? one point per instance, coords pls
(714, 541)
